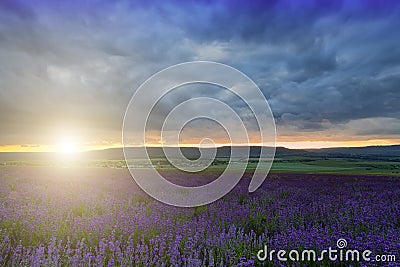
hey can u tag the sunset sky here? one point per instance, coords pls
(330, 70)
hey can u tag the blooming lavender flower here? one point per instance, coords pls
(99, 220)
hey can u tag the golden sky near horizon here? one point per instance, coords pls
(71, 147)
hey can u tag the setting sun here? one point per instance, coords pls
(67, 146)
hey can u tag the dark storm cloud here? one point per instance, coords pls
(321, 64)
(322, 61)
(18, 9)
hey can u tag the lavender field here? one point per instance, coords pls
(99, 217)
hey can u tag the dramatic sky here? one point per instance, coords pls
(329, 69)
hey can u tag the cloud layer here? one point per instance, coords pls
(325, 66)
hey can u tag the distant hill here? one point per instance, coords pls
(368, 151)
(225, 151)
(27, 156)
(194, 152)
(222, 152)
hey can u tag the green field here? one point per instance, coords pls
(337, 165)
(288, 164)
(297, 164)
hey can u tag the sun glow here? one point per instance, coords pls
(67, 146)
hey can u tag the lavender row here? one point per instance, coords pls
(99, 217)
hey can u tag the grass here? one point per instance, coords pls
(338, 166)
(288, 164)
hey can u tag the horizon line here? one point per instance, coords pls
(217, 146)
